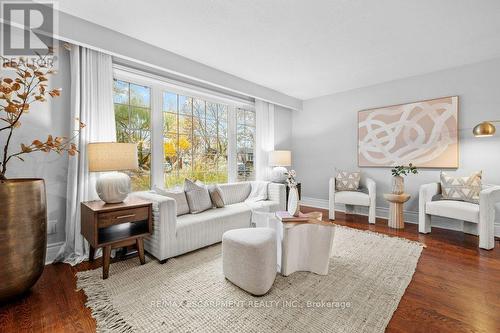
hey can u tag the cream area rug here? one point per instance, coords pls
(368, 275)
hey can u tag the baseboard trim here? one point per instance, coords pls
(52, 251)
(383, 212)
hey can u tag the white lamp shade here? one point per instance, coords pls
(112, 156)
(280, 158)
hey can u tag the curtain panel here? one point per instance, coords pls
(91, 103)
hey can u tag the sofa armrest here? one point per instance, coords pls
(331, 199)
(277, 192)
(164, 223)
(427, 191)
(488, 198)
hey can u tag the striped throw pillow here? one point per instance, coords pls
(197, 196)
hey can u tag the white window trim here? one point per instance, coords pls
(158, 85)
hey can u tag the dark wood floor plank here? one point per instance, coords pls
(456, 288)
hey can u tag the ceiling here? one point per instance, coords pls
(307, 49)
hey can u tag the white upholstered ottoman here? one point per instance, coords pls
(249, 258)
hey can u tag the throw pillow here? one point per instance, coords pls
(347, 181)
(461, 188)
(197, 196)
(216, 196)
(178, 196)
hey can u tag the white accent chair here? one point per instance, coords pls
(479, 219)
(354, 198)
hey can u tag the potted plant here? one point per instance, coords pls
(23, 216)
(398, 172)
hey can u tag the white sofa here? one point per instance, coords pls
(365, 198)
(479, 219)
(174, 235)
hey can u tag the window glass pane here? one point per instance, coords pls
(139, 95)
(120, 92)
(250, 118)
(139, 118)
(199, 108)
(200, 152)
(133, 125)
(245, 142)
(185, 105)
(169, 122)
(212, 111)
(170, 102)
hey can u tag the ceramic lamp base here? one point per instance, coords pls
(278, 175)
(113, 187)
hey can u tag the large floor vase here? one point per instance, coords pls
(23, 234)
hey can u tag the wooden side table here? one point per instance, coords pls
(116, 225)
(396, 217)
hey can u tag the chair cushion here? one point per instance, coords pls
(352, 198)
(459, 210)
(197, 196)
(347, 181)
(461, 188)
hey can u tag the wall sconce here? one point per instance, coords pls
(486, 128)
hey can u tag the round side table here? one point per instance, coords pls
(396, 201)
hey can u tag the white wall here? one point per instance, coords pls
(325, 132)
(282, 128)
(51, 117)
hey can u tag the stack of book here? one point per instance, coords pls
(284, 216)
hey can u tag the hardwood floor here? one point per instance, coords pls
(456, 288)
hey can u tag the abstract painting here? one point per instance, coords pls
(423, 133)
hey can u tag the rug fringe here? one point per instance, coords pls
(108, 319)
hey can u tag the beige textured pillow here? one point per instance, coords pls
(197, 196)
(347, 180)
(461, 188)
(178, 196)
(216, 195)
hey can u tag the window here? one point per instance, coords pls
(133, 124)
(194, 139)
(245, 144)
(182, 132)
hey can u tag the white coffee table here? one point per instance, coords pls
(301, 246)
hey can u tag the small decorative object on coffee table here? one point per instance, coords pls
(116, 225)
(396, 201)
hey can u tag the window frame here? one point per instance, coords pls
(158, 85)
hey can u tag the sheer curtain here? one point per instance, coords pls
(91, 103)
(264, 138)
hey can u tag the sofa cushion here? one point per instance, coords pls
(216, 196)
(235, 192)
(461, 188)
(352, 198)
(197, 196)
(178, 196)
(198, 230)
(459, 210)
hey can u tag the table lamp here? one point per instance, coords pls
(280, 159)
(112, 187)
